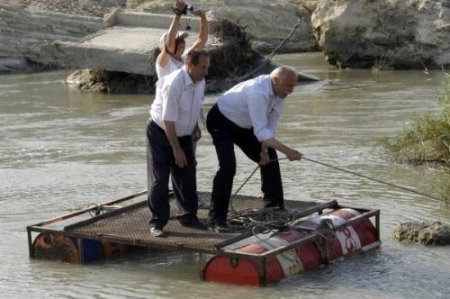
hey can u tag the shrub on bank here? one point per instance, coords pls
(426, 140)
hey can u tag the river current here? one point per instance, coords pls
(61, 149)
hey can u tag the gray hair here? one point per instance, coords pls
(282, 72)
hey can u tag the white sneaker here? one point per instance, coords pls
(156, 232)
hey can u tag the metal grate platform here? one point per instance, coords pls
(129, 225)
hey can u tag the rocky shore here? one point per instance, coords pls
(39, 23)
(94, 8)
(383, 34)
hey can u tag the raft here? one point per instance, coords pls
(258, 252)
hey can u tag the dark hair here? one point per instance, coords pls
(194, 56)
(178, 41)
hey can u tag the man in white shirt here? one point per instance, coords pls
(173, 50)
(173, 121)
(247, 115)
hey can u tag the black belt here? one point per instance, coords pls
(161, 130)
(155, 125)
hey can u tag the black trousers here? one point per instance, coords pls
(225, 134)
(161, 164)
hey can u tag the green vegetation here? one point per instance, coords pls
(426, 140)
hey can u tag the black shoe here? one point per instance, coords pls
(276, 209)
(193, 223)
(219, 227)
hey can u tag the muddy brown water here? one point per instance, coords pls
(61, 149)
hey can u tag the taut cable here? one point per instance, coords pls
(373, 179)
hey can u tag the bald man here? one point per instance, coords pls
(247, 115)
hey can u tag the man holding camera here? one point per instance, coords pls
(173, 48)
(173, 42)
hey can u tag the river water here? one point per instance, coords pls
(61, 149)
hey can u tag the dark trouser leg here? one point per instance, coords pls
(184, 181)
(150, 177)
(175, 188)
(271, 184)
(219, 128)
(159, 160)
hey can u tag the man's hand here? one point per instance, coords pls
(197, 133)
(265, 159)
(178, 153)
(178, 6)
(293, 154)
(180, 157)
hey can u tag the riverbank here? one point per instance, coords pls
(34, 27)
(94, 8)
(363, 34)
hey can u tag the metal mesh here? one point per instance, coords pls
(130, 226)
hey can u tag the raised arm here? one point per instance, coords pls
(200, 43)
(169, 43)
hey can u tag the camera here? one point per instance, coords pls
(187, 8)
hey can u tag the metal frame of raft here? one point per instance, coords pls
(321, 233)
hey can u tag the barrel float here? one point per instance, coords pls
(348, 239)
(63, 248)
(55, 247)
(112, 249)
(243, 270)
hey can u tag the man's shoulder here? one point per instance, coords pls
(259, 85)
(173, 78)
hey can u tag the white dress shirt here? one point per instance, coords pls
(252, 103)
(172, 65)
(178, 99)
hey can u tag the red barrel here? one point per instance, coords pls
(244, 271)
(347, 239)
(309, 256)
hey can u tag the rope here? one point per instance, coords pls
(270, 219)
(266, 219)
(372, 179)
(239, 189)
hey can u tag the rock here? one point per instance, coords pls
(101, 81)
(120, 49)
(91, 8)
(13, 65)
(231, 58)
(391, 34)
(267, 22)
(25, 31)
(435, 233)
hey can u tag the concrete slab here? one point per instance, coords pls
(130, 45)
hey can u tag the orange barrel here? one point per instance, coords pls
(244, 270)
(55, 247)
(63, 248)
